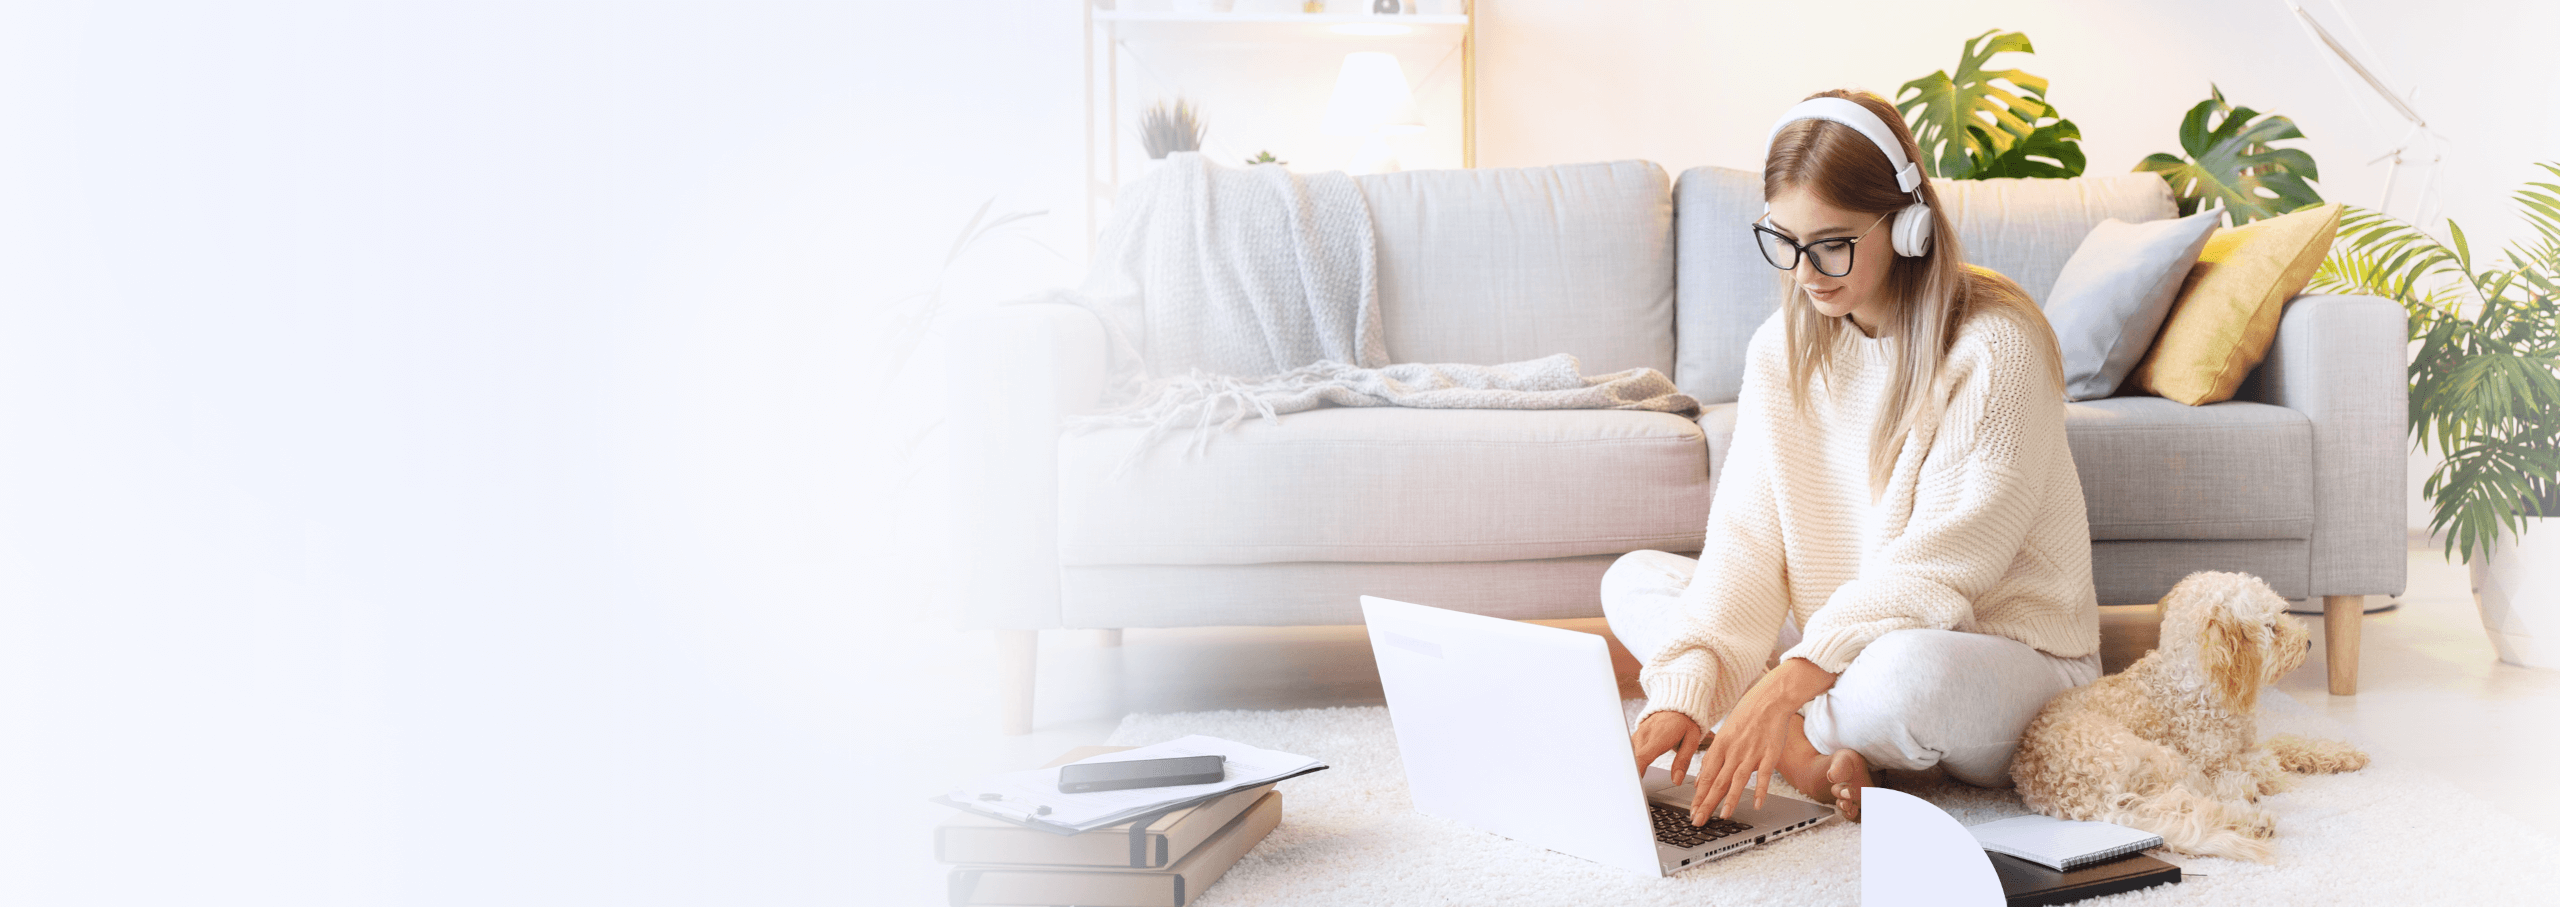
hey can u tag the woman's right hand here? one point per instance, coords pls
(1663, 732)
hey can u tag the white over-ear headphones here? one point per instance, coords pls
(1911, 224)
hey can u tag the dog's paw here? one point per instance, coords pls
(2273, 783)
(2236, 786)
(2256, 823)
(2231, 844)
(2246, 833)
(2316, 757)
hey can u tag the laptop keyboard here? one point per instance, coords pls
(1671, 826)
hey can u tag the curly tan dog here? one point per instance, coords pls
(2170, 745)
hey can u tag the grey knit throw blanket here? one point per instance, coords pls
(1231, 293)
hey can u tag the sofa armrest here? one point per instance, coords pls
(2343, 361)
(1015, 373)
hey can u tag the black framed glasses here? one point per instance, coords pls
(1832, 257)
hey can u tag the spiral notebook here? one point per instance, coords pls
(2061, 844)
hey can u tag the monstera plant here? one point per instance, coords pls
(2232, 163)
(2484, 392)
(1984, 123)
(1971, 125)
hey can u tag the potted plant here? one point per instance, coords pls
(1982, 123)
(1972, 126)
(2484, 392)
(1167, 127)
(2232, 163)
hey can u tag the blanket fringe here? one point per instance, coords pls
(1208, 404)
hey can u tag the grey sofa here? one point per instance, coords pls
(1517, 513)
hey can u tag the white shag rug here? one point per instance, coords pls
(1349, 835)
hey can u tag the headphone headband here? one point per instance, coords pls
(1856, 116)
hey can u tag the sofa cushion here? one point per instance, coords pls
(2028, 228)
(2023, 228)
(2226, 314)
(1726, 288)
(1389, 485)
(1500, 265)
(1325, 592)
(2157, 469)
(2113, 293)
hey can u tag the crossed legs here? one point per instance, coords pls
(1911, 700)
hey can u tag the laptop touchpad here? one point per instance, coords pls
(1657, 785)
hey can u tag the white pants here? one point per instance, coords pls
(1910, 700)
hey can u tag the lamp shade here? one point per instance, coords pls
(1371, 97)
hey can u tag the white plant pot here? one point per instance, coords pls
(2517, 583)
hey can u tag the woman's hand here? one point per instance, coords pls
(1753, 737)
(1662, 732)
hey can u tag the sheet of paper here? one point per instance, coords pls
(1023, 794)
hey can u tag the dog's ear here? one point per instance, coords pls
(2231, 659)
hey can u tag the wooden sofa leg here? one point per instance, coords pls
(2344, 615)
(1017, 673)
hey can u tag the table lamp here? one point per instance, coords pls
(1372, 101)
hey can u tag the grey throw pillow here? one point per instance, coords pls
(2112, 295)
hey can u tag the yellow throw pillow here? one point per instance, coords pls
(2226, 313)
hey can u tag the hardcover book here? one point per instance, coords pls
(968, 838)
(2029, 885)
(1173, 886)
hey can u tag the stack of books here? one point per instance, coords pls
(2043, 861)
(1162, 861)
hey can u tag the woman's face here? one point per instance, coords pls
(1799, 215)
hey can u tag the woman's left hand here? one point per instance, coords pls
(1753, 737)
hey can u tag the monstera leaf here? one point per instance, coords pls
(1966, 124)
(2051, 152)
(2230, 163)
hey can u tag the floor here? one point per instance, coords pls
(2432, 693)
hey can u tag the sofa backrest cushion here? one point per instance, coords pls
(2024, 228)
(1726, 288)
(2028, 228)
(1500, 265)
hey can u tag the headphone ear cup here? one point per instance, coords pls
(1911, 230)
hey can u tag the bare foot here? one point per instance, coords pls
(1847, 775)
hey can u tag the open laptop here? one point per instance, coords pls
(1516, 729)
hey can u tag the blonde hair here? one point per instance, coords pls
(1937, 291)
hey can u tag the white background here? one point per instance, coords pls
(447, 451)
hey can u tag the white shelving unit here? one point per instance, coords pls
(1247, 26)
(1116, 39)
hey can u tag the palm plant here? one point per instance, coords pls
(2484, 388)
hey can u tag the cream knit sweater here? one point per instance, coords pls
(1981, 528)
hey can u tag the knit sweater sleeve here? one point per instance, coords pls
(1970, 506)
(1736, 602)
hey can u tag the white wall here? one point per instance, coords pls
(444, 453)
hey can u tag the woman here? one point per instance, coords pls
(1899, 488)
